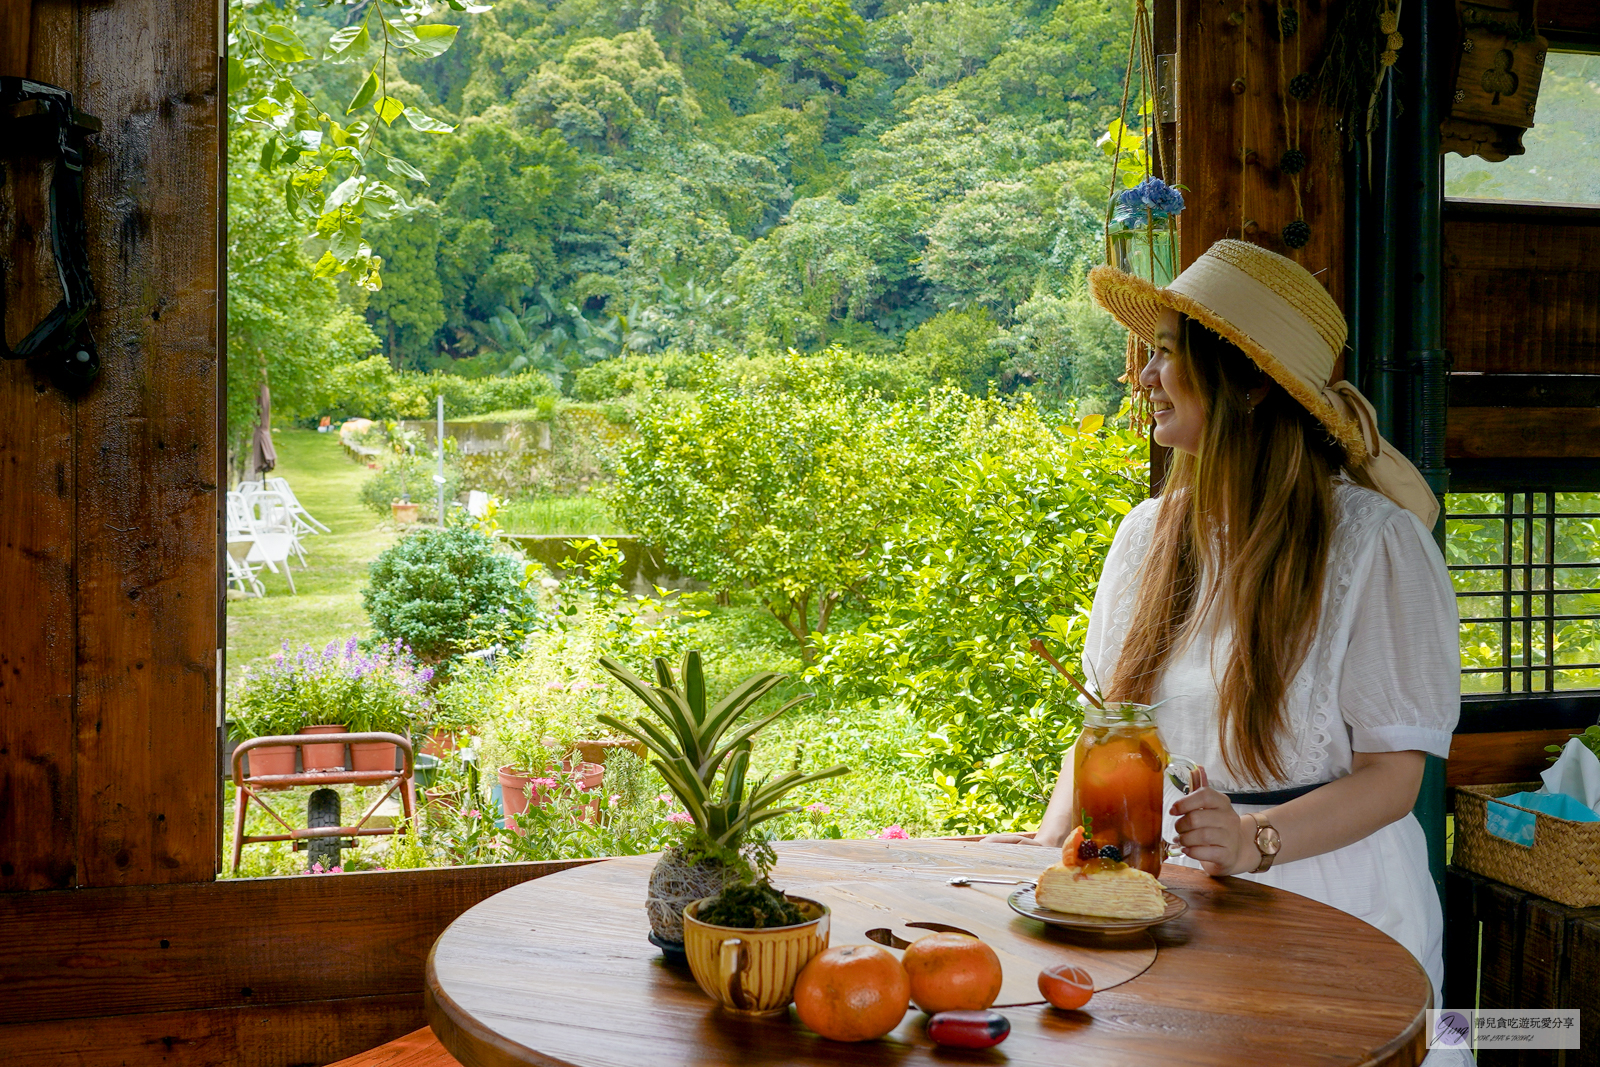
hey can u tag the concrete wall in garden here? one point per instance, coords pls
(643, 566)
(477, 438)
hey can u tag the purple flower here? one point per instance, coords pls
(1151, 195)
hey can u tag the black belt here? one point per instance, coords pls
(1274, 796)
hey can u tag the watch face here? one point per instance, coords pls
(1267, 840)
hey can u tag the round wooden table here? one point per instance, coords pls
(558, 971)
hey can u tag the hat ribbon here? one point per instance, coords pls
(1394, 475)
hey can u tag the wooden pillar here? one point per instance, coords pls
(1233, 131)
(108, 508)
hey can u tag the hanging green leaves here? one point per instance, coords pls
(324, 160)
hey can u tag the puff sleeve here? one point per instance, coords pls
(1114, 596)
(1401, 684)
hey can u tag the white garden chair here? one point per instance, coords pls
(304, 521)
(262, 523)
(241, 572)
(272, 514)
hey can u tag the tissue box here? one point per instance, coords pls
(1562, 862)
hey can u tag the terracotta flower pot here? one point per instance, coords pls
(404, 514)
(518, 791)
(752, 972)
(597, 751)
(270, 759)
(516, 787)
(441, 798)
(322, 757)
(438, 743)
(374, 755)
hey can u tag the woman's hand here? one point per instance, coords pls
(1210, 831)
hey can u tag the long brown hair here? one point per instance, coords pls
(1252, 512)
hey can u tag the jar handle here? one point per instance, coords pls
(1180, 772)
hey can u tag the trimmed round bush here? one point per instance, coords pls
(443, 592)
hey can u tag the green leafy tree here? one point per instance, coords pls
(1008, 547)
(286, 327)
(784, 490)
(957, 346)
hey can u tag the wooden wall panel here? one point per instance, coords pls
(1523, 433)
(1506, 756)
(1227, 197)
(1522, 293)
(279, 1035)
(108, 501)
(38, 782)
(246, 943)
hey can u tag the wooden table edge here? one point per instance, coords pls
(457, 1031)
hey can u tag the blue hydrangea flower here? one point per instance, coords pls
(1151, 195)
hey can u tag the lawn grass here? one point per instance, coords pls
(327, 601)
(582, 514)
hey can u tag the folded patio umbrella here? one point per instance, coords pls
(263, 456)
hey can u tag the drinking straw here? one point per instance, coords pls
(1039, 649)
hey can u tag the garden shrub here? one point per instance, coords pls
(580, 436)
(447, 591)
(1008, 547)
(372, 389)
(888, 375)
(407, 476)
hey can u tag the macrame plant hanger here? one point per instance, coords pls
(1141, 56)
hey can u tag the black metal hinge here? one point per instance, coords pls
(35, 117)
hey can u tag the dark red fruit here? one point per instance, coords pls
(1086, 850)
(969, 1029)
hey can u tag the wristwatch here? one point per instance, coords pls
(1267, 841)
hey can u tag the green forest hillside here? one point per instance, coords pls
(888, 176)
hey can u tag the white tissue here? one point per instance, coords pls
(1576, 773)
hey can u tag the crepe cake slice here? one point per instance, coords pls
(1098, 887)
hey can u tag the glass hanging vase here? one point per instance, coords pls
(1146, 247)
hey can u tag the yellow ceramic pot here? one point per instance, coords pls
(752, 972)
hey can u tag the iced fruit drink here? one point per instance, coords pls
(1118, 766)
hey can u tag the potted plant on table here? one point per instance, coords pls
(692, 747)
(260, 711)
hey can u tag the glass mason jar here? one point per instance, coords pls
(1119, 765)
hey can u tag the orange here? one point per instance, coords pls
(1066, 986)
(852, 992)
(952, 972)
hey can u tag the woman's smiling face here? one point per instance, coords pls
(1179, 415)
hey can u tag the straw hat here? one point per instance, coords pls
(1278, 314)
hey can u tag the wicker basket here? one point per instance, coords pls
(1562, 865)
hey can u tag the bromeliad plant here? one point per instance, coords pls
(693, 743)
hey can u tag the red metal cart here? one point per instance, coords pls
(249, 788)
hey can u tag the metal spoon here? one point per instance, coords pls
(991, 881)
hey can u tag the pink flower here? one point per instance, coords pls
(665, 798)
(474, 814)
(337, 870)
(616, 798)
(819, 809)
(679, 816)
(583, 686)
(894, 833)
(553, 686)
(316, 868)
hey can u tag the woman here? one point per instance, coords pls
(1283, 598)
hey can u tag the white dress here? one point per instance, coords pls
(1382, 675)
